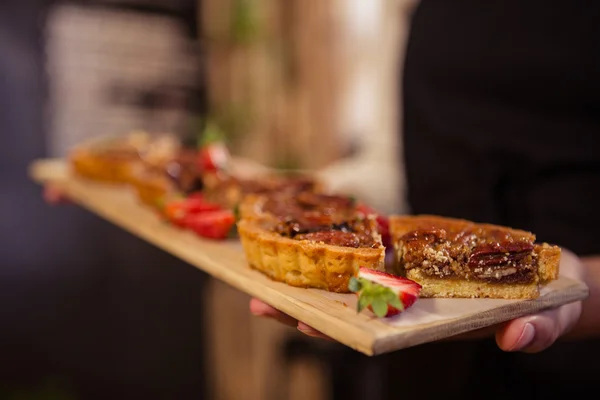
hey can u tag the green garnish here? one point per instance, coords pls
(375, 295)
(211, 133)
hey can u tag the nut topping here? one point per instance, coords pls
(498, 254)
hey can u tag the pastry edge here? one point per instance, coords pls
(304, 263)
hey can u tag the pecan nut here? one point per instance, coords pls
(499, 254)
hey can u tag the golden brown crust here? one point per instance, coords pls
(542, 269)
(548, 261)
(99, 167)
(444, 288)
(251, 208)
(150, 187)
(305, 263)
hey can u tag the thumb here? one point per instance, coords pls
(537, 332)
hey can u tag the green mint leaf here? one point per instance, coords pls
(212, 134)
(396, 303)
(377, 296)
(366, 285)
(364, 300)
(379, 306)
(354, 285)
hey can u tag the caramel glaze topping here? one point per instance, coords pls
(353, 233)
(310, 205)
(475, 253)
(321, 218)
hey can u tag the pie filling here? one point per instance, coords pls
(470, 254)
(306, 204)
(322, 218)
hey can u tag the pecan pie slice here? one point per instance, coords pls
(458, 258)
(309, 239)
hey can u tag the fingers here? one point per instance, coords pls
(535, 333)
(54, 196)
(312, 332)
(261, 309)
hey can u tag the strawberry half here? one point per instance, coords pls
(384, 294)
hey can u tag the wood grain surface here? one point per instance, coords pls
(331, 313)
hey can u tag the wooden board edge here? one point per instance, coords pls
(369, 342)
(388, 343)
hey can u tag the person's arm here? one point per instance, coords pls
(532, 333)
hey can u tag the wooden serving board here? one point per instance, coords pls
(331, 313)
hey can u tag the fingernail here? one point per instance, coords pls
(526, 337)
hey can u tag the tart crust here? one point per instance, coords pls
(100, 167)
(305, 263)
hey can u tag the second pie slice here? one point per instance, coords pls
(459, 258)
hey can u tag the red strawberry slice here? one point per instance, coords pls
(211, 224)
(384, 294)
(177, 211)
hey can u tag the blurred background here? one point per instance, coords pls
(90, 312)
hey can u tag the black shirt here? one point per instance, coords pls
(502, 124)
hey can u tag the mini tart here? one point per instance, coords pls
(458, 258)
(282, 205)
(116, 158)
(155, 182)
(305, 263)
(151, 186)
(109, 159)
(110, 166)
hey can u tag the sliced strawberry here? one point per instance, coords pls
(384, 294)
(382, 221)
(176, 211)
(213, 154)
(211, 224)
(214, 157)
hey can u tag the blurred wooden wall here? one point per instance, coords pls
(273, 73)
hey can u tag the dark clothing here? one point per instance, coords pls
(502, 125)
(502, 115)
